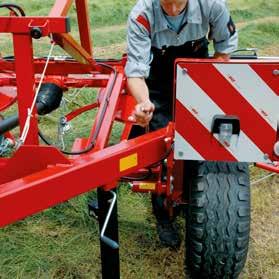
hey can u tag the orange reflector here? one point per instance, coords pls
(128, 162)
(147, 186)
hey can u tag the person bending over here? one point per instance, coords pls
(159, 31)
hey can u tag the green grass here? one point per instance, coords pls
(260, 35)
(245, 10)
(62, 242)
(108, 38)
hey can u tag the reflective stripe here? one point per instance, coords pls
(252, 88)
(231, 101)
(196, 101)
(187, 149)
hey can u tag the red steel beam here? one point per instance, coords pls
(56, 184)
(60, 8)
(109, 115)
(59, 67)
(70, 45)
(25, 24)
(269, 167)
(84, 25)
(83, 52)
(25, 84)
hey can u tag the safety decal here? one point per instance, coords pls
(147, 186)
(245, 93)
(128, 162)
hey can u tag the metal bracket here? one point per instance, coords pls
(253, 50)
(111, 243)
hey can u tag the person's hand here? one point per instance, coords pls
(222, 57)
(142, 113)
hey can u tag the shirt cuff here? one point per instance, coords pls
(227, 46)
(136, 69)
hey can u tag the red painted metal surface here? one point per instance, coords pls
(37, 177)
(269, 167)
(84, 25)
(25, 24)
(70, 116)
(59, 182)
(25, 84)
(51, 177)
(8, 96)
(60, 8)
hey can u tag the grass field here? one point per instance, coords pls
(62, 242)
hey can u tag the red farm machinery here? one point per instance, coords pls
(226, 115)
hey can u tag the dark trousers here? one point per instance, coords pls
(160, 84)
(161, 117)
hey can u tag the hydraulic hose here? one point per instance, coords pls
(48, 100)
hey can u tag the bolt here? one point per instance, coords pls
(185, 71)
(266, 157)
(63, 120)
(36, 32)
(276, 72)
(167, 139)
(180, 153)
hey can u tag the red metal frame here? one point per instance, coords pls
(51, 177)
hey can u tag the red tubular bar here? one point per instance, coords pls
(70, 116)
(97, 81)
(25, 84)
(84, 25)
(61, 67)
(109, 116)
(60, 8)
(269, 167)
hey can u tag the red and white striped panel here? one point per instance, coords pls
(248, 91)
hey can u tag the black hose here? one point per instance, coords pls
(139, 178)
(8, 124)
(12, 8)
(12, 122)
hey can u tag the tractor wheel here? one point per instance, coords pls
(217, 219)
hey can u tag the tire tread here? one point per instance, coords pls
(218, 219)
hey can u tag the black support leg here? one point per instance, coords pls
(109, 256)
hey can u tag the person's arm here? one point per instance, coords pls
(223, 31)
(143, 111)
(137, 68)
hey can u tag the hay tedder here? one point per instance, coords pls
(226, 115)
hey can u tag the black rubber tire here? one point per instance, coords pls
(217, 219)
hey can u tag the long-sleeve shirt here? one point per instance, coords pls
(148, 27)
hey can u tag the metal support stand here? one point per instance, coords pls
(109, 253)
